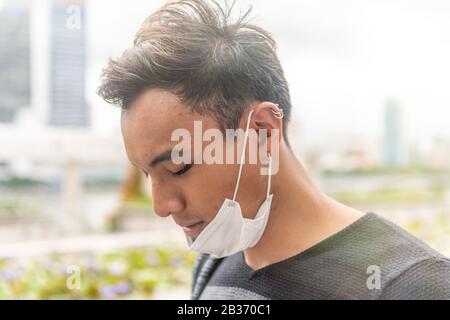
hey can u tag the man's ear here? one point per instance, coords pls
(267, 120)
(264, 117)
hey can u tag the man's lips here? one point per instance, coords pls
(193, 230)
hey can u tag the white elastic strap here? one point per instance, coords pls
(270, 176)
(242, 156)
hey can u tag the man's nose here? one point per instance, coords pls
(166, 203)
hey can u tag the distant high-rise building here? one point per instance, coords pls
(68, 64)
(394, 151)
(14, 59)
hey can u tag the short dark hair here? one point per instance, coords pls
(215, 66)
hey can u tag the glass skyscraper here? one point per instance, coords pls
(68, 64)
(15, 72)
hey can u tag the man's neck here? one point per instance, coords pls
(301, 216)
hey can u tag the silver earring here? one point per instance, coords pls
(278, 114)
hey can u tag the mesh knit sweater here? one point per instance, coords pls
(371, 258)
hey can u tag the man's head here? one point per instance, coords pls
(215, 66)
(190, 62)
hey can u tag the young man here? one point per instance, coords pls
(260, 236)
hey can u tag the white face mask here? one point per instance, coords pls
(229, 232)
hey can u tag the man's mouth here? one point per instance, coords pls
(193, 230)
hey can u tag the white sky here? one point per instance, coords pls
(342, 59)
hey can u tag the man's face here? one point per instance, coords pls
(191, 193)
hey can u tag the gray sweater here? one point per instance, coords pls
(372, 258)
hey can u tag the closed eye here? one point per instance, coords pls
(182, 171)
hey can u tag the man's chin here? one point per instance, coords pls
(194, 231)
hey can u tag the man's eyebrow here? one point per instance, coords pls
(166, 155)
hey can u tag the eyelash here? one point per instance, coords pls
(182, 171)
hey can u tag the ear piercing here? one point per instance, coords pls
(278, 114)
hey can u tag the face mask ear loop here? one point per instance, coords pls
(242, 156)
(270, 176)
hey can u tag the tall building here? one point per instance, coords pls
(14, 59)
(68, 65)
(394, 150)
(43, 61)
(42, 80)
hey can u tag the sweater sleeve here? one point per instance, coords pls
(428, 279)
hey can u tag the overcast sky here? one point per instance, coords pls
(342, 59)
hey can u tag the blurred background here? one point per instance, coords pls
(369, 81)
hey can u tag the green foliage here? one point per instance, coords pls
(131, 273)
(382, 170)
(391, 195)
(435, 232)
(15, 208)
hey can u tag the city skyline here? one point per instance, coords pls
(341, 63)
(348, 105)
